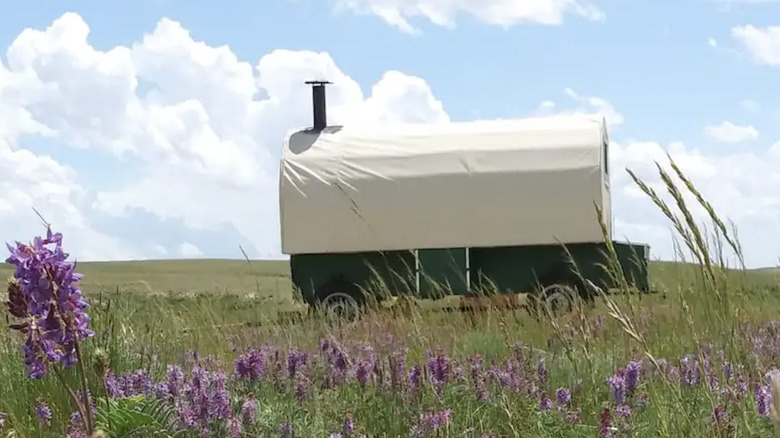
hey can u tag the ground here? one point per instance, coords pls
(149, 314)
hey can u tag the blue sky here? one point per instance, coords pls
(666, 70)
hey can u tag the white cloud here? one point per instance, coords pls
(190, 251)
(585, 105)
(207, 143)
(504, 13)
(712, 42)
(206, 128)
(727, 132)
(762, 43)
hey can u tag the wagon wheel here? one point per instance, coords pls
(558, 299)
(341, 299)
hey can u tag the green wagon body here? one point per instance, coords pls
(450, 209)
(441, 272)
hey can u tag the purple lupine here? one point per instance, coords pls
(220, 399)
(236, 428)
(249, 410)
(415, 380)
(251, 365)
(397, 360)
(129, 384)
(476, 368)
(286, 430)
(631, 375)
(430, 422)
(763, 398)
(348, 429)
(76, 426)
(605, 423)
(623, 410)
(43, 412)
(112, 386)
(439, 366)
(46, 303)
(562, 396)
(295, 361)
(363, 372)
(617, 386)
(719, 415)
(161, 391)
(690, 375)
(301, 389)
(742, 386)
(728, 370)
(541, 370)
(545, 404)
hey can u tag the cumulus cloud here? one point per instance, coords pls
(504, 13)
(189, 251)
(727, 132)
(202, 130)
(203, 127)
(763, 44)
(584, 105)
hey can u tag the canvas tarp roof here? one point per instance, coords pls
(466, 184)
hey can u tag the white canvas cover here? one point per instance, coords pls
(462, 184)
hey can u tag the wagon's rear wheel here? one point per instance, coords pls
(552, 300)
(340, 299)
(559, 298)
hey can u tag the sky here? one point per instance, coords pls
(152, 129)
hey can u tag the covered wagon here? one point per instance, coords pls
(463, 208)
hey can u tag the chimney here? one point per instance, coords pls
(319, 103)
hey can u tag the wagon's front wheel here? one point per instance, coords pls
(341, 300)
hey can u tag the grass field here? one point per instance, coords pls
(173, 353)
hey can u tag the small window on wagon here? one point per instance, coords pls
(606, 152)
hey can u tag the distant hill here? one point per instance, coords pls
(271, 278)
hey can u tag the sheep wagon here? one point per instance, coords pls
(466, 208)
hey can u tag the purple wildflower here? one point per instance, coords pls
(397, 369)
(430, 422)
(295, 361)
(545, 404)
(249, 410)
(2, 420)
(45, 301)
(617, 386)
(348, 429)
(363, 372)
(719, 414)
(541, 370)
(763, 400)
(728, 370)
(236, 428)
(623, 410)
(251, 365)
(161, 390)
(286, 430)
(631, 375)
(439, 366)
(478, 377)
(563, 396)
(415, 380)
(605, 423)
(43, 412)
(690, 375)
(301, 389)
